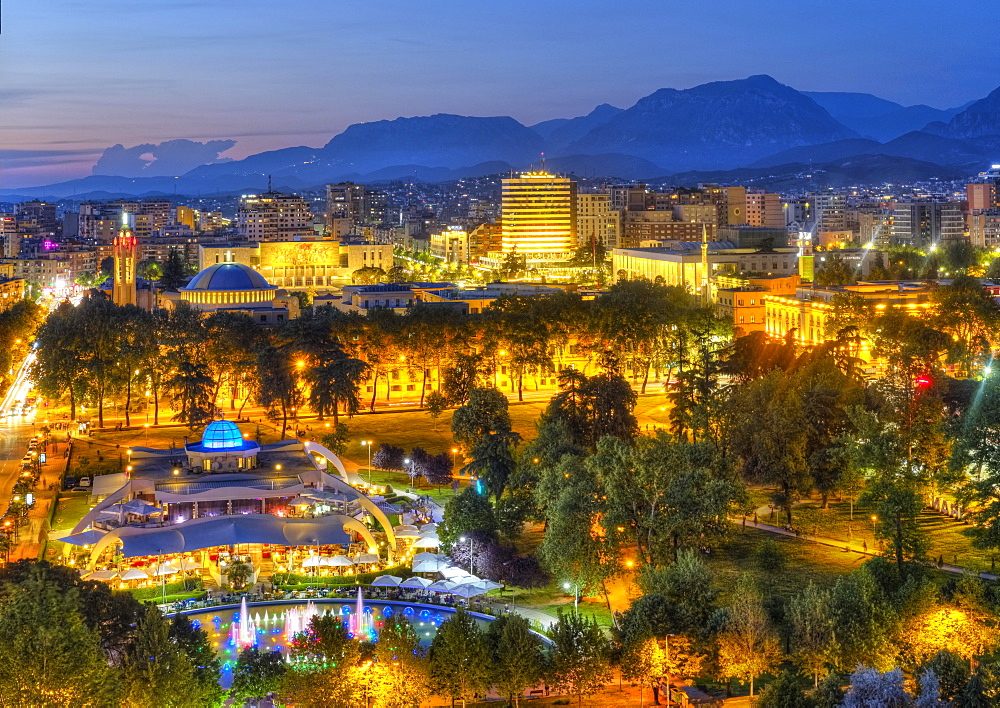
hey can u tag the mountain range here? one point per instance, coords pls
(738, 128)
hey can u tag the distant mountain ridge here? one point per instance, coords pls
(714, 128)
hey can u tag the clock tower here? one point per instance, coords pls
(124, 251)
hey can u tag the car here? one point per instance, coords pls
(26, 460)
(84, 481)
(32, 444)
(69, 482)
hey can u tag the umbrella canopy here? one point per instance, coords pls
(490, 585)
(164, 569)
(407, 533)
(442, 586)
(103, 575)
(341, 561)
(312, 562)
(301, 501)
(85, 538)
(404, 527)
(321, 494)
(468, 590)
(387, 581)
(188, 564)
(451, 572)
(366, 558)
(135, 574)
(425, 556)
(138, 506)
(427, 542)
(429, 527)
(415, 583)
(428, 566)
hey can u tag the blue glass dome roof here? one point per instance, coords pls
(229, 276)
(222, 435)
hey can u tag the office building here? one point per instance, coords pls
(596, 221)
(538, 216)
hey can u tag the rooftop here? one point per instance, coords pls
(229, 276)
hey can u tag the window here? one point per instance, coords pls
(397, 388)
(368, 389)
(263, 318)
(741, 319)
(741, 303)
(753, 319)
(411, 387)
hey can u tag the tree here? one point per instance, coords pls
(335, 384)
(492, 460)
(400, 665)
(983, 688)
(898, 508)
(644, 662)
(200, 652)
(748, 647)
(465, 374)
(157, 671)
(829, 693)
(786, 691)
(863, 622)
(870, 688)
(467, 511)
(485, 413)
(388, 457)
(579, 656)
(238, 573)
(436, 403)
(57, 370)
(48, 656)
(517, 656)
(679, 599)
(257, 674)
(951, 674)
(278, 391)
(812, 631)
(174, 273)
(90, 279)
(368, 275)
(193, 390)
(459, 656)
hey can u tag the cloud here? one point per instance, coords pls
(168, 159)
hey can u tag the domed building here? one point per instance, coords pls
(235, 287)
(222, 449)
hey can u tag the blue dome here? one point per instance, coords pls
(222, 435)
(229, 276)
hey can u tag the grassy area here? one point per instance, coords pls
(70, 508)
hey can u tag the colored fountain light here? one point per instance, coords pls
(244, 633)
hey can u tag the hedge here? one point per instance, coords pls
(288, 579)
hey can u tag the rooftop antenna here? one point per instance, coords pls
(543, 162)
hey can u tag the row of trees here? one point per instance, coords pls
(330, 668)
(98, 352)
(68, 642)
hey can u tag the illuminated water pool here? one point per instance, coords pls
(270, 625)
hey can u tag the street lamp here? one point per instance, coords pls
(874, 538)
(409, 462)
(368, 444)
(472, 545)
(576, 595)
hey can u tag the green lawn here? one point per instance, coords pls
(70, 508)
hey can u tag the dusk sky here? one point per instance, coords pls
(77, 76)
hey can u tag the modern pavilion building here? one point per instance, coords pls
(228, 496)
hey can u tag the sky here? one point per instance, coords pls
(79, 76)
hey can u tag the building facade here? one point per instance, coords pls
(538, 216)
(273, 216)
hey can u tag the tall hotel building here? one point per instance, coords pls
(538, 216)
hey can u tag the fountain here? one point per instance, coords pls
(362, 626)
(244, 633)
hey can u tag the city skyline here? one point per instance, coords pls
(198, 70)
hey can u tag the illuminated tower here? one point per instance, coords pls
(538, 214)
(806, 257)
(124, 248)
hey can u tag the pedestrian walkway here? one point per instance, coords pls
(847, 546)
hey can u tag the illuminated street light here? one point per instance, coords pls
(576, 595)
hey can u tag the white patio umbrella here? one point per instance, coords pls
(312, 562)
(341, 561)
(366, 558)
(429, 527)
(188, 564)
(387, 581)
(427, 542)
(425, 556)
(404, 527)
(164, 569)
(442, 586)
(451, 572)
(415, 583)
(428, 566)
(135, 574)
(103, 575)
(407, 533)
(468, 590)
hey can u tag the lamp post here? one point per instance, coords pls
(874, 538)
(472, 545)
(410, 474)
(368, 444)
(576, 595)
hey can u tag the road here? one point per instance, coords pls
(15, 431)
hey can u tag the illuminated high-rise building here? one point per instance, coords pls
(538, 215)
(124, 247)
(273, 216)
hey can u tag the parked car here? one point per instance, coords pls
(84, 482)
(69, 482)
